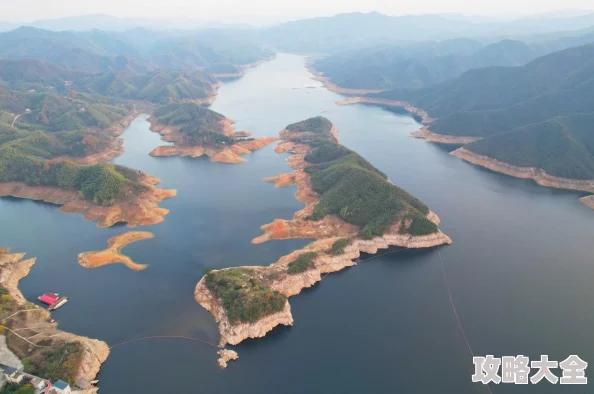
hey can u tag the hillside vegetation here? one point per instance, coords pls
(245, 298)
(350, 187)
(562, 146)
(538, 115)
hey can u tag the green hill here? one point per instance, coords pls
(562, 146)
(539, 115)
(200, 125)
(349, 186)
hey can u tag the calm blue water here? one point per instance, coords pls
(520, 268)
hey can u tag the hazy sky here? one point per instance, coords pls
(264, 11)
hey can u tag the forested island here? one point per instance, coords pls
(196, 130)
(351, 207)
(531, 122)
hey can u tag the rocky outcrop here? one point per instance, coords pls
(136, 210)
(226, 355)
(430, 136)
(234, 334)
(93, 352)
(113, 253)
(537, 174)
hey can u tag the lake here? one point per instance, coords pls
(520, 270)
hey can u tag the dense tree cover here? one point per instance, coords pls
(15, 388)
(99, 183)
(200, 125)
(318, 125)
(498, 88)
(302, 263)
(162, 86)
(562, 146)
(352, 188)
(537, 115)
(244, 296)
(53, 112)
(339, 245)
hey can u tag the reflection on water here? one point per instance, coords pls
(520, 268)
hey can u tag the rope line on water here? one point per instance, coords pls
(165, 336)
(447, 285)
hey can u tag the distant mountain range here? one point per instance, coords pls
(137, 50)
(112, 23)
(422, 64)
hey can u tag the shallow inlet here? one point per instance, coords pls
(520, 268)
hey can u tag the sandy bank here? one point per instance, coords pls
(135, 210)
(537, 174)
(113, 253)
(93, 352)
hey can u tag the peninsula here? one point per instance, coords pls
(105, 193)
(196, 131)
(49, 352)
(113, 253)
(351, 208)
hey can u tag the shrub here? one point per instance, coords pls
(339, 245)
(301, 263)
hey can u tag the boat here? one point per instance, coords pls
(52, 300)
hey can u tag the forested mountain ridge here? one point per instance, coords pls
(539, 115)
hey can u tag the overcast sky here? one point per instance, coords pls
(266, 11)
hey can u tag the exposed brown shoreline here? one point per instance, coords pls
(94, 352)
(430, 136)
(328, 230)
(113, 253)
(537, 174)
(331, 86)
(138, 210)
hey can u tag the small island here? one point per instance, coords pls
(196, 131)
(351, 208)
(113, 253)
(42, 349)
